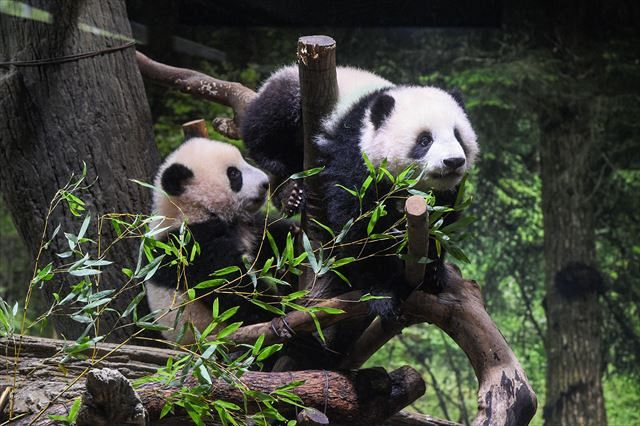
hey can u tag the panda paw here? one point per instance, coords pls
(387, 307)
(295, 201)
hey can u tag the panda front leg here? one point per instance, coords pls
(290, 198)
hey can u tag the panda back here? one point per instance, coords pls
(272, 129)
(272, 124)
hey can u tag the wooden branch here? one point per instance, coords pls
(352, 398)
(195, 129)
(36, 378)
(504, 395)
(296, 322)
(228, 93)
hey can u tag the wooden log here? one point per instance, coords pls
(355, 397)
(359, 397)
(318, 94)
(37, 378)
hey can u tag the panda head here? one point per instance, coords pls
(422, 126)
(205, 178)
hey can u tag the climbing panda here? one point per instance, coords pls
(403, 125)
(209, 186)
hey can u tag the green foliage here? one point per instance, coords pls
(70, 418)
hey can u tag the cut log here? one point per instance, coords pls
(195, 129)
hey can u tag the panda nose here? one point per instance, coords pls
(454, 162)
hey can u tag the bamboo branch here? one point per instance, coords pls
(228, 93)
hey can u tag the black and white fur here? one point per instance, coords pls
(406, 125)
(210, 186)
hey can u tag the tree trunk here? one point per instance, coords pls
(573, 342)
(57, 115)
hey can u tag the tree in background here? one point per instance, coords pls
(51, 126)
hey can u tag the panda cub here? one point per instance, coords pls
(405, 125)
(209, 186)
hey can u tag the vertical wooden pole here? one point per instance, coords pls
(377, 334)
(319, 93)
(418, 239)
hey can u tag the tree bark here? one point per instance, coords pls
(573, 341)
(57, 116)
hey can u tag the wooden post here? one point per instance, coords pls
(318, 93)
(418, 239)
(377, 334)
(195, 129)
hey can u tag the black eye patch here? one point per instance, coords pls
(422, 145)
(174, 178)
(235, 178)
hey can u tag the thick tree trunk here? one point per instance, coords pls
(55, 116)
(573, 342)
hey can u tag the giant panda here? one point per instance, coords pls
(209, 186)
(404, 125)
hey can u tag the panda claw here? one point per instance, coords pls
(295, 200)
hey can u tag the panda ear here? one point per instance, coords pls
(381, 109)
(456, 94)
(174, 178)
